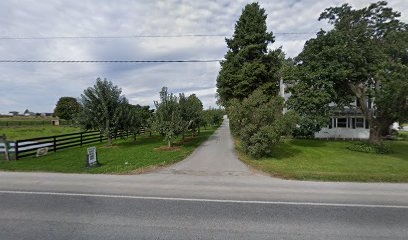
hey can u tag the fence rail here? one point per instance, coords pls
(29, 147)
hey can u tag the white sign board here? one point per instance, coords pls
(92, 158)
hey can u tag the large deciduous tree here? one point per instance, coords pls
(248, 64)
(364, 57)
(103, 108)
(67, 108)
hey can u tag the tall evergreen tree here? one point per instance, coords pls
(248, 64)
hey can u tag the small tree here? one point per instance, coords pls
(67, 108)
(167, 119)
(102, 108)
(131, 118)
(191, 110)
(196, 107)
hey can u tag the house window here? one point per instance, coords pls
(341, 122)
(359, 122)
(353, 123)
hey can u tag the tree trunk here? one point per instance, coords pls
(169, 143)
(360, 91)
(109, 139)
(375, 133)
(108, 132)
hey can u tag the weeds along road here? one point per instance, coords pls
(203, 197)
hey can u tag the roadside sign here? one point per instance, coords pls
(6, 147)
(92, 158)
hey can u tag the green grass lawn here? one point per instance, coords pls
(126, 156)
(332, 161)
(17, 133)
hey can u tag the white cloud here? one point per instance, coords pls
(38, 86)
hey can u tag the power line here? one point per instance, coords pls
(135, 36)
(110, 61)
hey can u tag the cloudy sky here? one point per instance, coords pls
(38, 86)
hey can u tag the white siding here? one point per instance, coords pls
(357, 133)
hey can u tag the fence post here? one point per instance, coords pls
(16, 149)
(55, 143)
(81, 139)
(100, 137)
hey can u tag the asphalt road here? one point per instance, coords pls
(192, 200)
(30, 216)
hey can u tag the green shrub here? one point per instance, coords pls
(260, 123)
(370, 148)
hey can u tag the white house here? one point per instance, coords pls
(346, 124)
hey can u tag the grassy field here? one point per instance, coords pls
(126, 156)
(25, 118)
(332, 161)
(17, 133)
(20, 121)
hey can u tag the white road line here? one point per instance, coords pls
(205, 200)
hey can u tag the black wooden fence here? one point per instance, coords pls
(29, 147)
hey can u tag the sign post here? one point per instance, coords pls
(92, 158)
(3, 140)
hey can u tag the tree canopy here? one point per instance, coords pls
(364, 57)
(174, 116)
(67, 108)
(248, 64)
(104, 108)
(167, 119)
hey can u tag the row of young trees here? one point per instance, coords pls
(364, 57)
(104, 108)
(176, 116)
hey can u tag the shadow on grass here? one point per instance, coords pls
(282, 151)
(309, 142)
(195, 141)
(399, 149)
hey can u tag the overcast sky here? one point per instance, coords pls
(38, 86)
